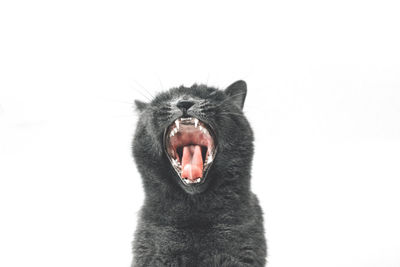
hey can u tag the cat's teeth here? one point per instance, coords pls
(201, 128)
(177, 124)
(176, 130)
(209, 159)
(172, 133)
(187, 181)
(196, 121)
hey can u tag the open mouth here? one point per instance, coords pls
(191, 149)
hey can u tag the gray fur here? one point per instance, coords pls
(218, 224)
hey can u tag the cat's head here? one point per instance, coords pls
(194, 138)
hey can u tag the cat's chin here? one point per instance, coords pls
(190, 145)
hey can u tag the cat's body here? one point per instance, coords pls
(217, 221)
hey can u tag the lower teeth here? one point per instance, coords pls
(187, 181)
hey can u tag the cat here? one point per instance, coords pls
(193, 147)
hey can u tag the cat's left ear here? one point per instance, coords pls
(140, 106)
(237, 92)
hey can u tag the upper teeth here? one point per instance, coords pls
(175, 130)
(196, 124)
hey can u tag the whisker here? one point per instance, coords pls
(125, 116)
(113, 100)
(159, 80)
(144, 88)
(140, 92)
(208, 109)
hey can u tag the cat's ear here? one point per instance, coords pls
(140, 106)
(237, 92)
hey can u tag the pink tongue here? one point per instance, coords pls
(192, 162)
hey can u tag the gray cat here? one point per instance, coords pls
(193, 148)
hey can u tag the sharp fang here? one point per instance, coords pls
(176, 130)
(177, 124)
(196, 121)
(197, 180)
(201, 128)
(209, 159)
(172, 133)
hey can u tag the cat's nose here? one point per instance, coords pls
(184, 105)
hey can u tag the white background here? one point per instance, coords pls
(323, 99)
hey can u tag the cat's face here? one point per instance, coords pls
(184, 136)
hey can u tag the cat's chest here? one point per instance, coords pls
(171, 239)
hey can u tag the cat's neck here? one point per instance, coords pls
(180, 208)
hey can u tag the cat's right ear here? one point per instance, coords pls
(140, 106)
